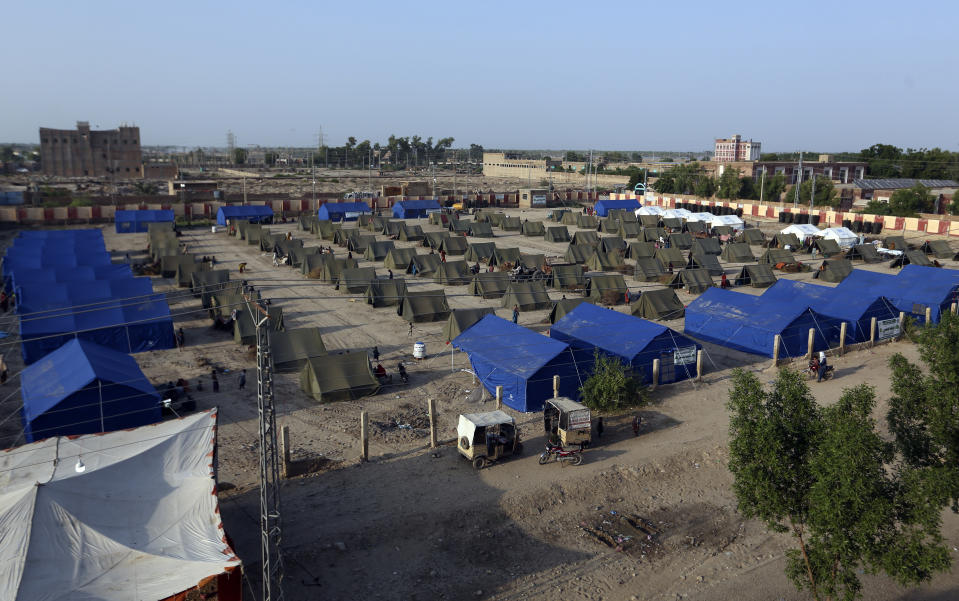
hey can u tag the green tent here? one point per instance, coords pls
(564, 306)
(160, 226)
(460, 226)
(385, 293)
(706, 246)
(651, 221)
(533, 228)
(751, 235)
(653, 234)
(670, 255)
(567, 277)
(286, 247)
(673, 223)
(452, 273)
(658, 304)
(623, 215)
(268, 241)
(939, 248)
(781, 241)
(299, 254)
(557, 215)
(363, 220)
(695, 281)
(355, 280)
(342, 236)
(589, 222)
(604, 261)
(434, 239)
(393, 228)
(648, 269)
(502, 256)
(293, 348)
(638, 250)
(911, 257)
(244, 329)
(306, 222)
(489, 284)
(571, 218)
(377, 223)
(578, 253)
(171, 263)
(481, 230)
(696, 227)
(253, 234)
(776, 256)
(723, 230)
(326, 229)
(586, 238)
(461, 320)
(164, 247)
(757, 276)
(479, 251)
(312, 265)
(185, 271)
(230, 299)
(828, 248)
(628, 229)
(556, 234)
(334, 266)
(681, 240)
(454, 245)
(412, 233)
(611, 243)
(438, 218)
(609, 226)
(377, 250)
(531, 261)
(833, 270)
(207, 283)
(511, 224)
(338, 377)
(494, 219)
(359, 244)
(399, 258)
(609, 288)
(423, 265)
(864, 252)
(424, 306)
(737, 252)
(895, 243)
(528, 296)
(708, 262)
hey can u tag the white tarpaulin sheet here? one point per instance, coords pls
(137, 520)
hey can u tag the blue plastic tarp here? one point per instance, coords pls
(46, 258)
(634, 341)
(251, 213)
(913, 289)
(520, 360)
(603, 207)
(342, 211)
(414, 209)
(83, 388)
(128, 222)
(64, 275)
(749, 323)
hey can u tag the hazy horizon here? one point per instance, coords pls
(621, 76)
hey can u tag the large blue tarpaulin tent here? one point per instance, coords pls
(251, 213)
(603, 207)
(855, 308)
(342, 211)
(634, 341)
(39, 296)
(128, 222)
(912, 290)
(749, 323)
(520, 360)
(82, 388)
(414, 209)
(64, 275)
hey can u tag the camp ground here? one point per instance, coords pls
(633, 341)
(423, 265)
(527, 296)
(479, 251)
(660, 303)
(355, 280)
(648, 269)
(523, 362)
(424, 306)
(556, 234)
(567, 277)
(533, 228)
(756, 276)
(833, 270)
(710, 263)
(386, 293)
(293, 348)
(399, 258)
(737, 252)
(461, 320)
(481, 230)
(342, 377)
(564, 306)
(489, 284)
(607, 288)
(694, 281)
(511, 224)
(452, 273)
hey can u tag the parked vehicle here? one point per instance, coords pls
(573, 456)
(568, 420)
(485, 438)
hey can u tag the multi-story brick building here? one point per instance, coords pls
(842, 172)
(730, 150)
(81, 152)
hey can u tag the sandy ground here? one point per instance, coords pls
(419, 524)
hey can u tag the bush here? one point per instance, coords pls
(612, 386)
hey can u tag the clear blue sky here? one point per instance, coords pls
(618, 75)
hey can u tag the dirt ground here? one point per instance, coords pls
(651, 517)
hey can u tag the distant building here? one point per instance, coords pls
(864, 190)
(194, 189)
(842, 172)
(530, 198)
(729, 150)
(505, 164)
(85, 153)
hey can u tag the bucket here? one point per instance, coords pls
(419, 350)
(213, 228)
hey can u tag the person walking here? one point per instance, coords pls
(411, 329)
(600, 428)
(276, 256)
(442, 256)
(180, 339)
(515, 313)
(216, 382)
(636, 423)
(242, 381)
(376, 353)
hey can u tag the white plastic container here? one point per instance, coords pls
(213, 228)
(419, 350)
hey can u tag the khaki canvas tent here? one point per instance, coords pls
(230, 299)
(393, 228)
(452, 273)
(306, 221)
(268, 241)
(359, 244)
(609, 288)
(623, 215)
(424, 306)
(777, 256)
(528, 296)
(629, 229)
(460, 226)
(653, 234)
(399, 258)
(658, 304)
(648, 269)
(751, 235)
(481, 230)
(454, 245)
(286, 247)
(564, 306)
(364, 220)
(489, 284)
(681, 240)
(253, 234)
(737, 252)
(338, 377)
(461, 320)
(696, 227)
(299, 254)
(293, 348)
(570, 218)
(578, 253)
(638, 250)
(511, 224)
(938, 248)
(609, 225)
(586, 221)
(672, 223)
(833, 270)
(586, 238)
(695, 281)
(494, 219)
(480, 251)
(706, 246)
(781, 241)
(164, 247)
(708, 262)
(423, 265)
(895, 243)
(911, 257)
(652, 221)
(533, 228)
(326, 229)
(438, 218)
(611, 243)
(434, 239)
(377, 250)
(411, 233)
(864, 252)
(208, 283)
(377, 223)
(723, 230)
(567, 277)
(757, 276)
(355, 280)
(556, 234)
(342, 236)
(557, 215)
(170, 263)
(501, 256)
(185, 271)
(385, 293)
(244, 329)
(828, 248)
(604, 261)
(532, 261)
(670, 255)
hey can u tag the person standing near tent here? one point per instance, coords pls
(276, 257)
(376, 353)
(515, 313)
(442, 256)
(216, 382)
(723, 282)
(242, 380)
(391, 273)
(180, 339)
(822, 366)
(600, 428)
(637, 421)
(411, 329)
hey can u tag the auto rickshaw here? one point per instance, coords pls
(568, 420)
(485, 438)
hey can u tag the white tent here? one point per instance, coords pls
(801, 230)
(731, 220)
(649, 210)
(678, 213)
(842, 235)
(127, 515)
(704, 217)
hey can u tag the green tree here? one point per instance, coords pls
(146, 188)
(910, 201)
(729, 185)
(704, 186)
(612, 385)
(239, 156)
(826, 195)
(773, 187)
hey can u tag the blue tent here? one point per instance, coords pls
(342, 211)
(603, 207)
(58, 235)
(911, 291)
(128, 222)
(634, 341)
(83, 388)
(857, 309)
(749, 323)
(412, 209)
(52, 257)
(251, 213)
(520, 360)
(78, 295)
(64, 275)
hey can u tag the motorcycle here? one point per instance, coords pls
(564, 456)
(813, 371)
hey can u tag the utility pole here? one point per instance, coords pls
(469, 167)
(812, 193)
(762, 184)
(270, 530)
(798, 182)
(313, 177)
